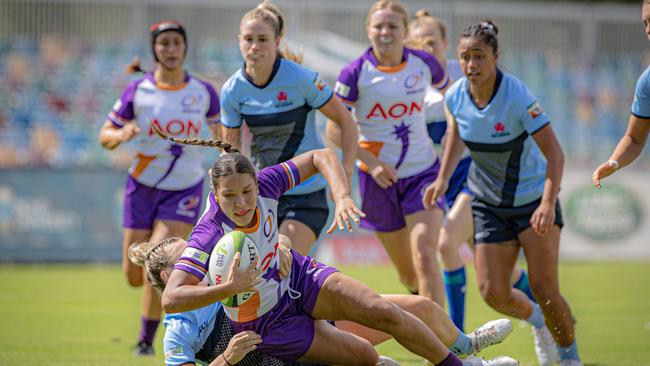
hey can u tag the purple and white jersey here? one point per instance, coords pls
(434, 100)
(273, 181)
(179, 112)
(388, 105)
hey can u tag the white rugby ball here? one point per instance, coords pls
(222, 257)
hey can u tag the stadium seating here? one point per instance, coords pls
(54, 96)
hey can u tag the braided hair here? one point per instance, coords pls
(154, 258)
(232, 162)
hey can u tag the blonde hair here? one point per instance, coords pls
(269, 13)
(394, 5)
(154, 258)
(423, 17)
(423, 43)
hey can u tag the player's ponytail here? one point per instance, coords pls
(155, 258)
(134, 67)
(486, 31)
(226, 164)
(226, 147)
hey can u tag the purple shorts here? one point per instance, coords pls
(385, 209)
(144, 204)
(287, 330)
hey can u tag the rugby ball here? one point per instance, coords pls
(221, 260)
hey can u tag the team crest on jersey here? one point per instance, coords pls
(190, 100)
(535, 110)
(320, 84)
(500, 130)
(413, 80)
(342, 89)
(187, 205)
(282, 99)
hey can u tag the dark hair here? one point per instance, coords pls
(485, 31)
(155, 30)
(232, 162)
(166, 26)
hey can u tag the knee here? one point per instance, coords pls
(422, 307)
(446, 247)
(494, 294)
(426, 258)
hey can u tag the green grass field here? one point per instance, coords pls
(87, 315)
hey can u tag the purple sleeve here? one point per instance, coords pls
(204, 237)
(346, 85)
(123, 108)
(439, 77)
(212, 115)
(277, 179)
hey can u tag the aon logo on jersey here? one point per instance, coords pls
(177, 127)
(395, 111)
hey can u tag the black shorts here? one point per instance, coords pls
(494, 224)
(310, 209)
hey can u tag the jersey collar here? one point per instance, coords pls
(497, 84)
(276, 67)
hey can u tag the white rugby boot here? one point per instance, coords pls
(490, 333)
(545, 346)
(499, 361)
(570, 362)
(387, 361)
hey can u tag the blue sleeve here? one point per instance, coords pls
(641, 103)
(316, 92)
(530, 112)
(230, 113)
(177, 343)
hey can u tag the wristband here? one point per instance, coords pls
(224, 358)
(613, 164)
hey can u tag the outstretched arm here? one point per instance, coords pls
(627, 150)
(325, 162)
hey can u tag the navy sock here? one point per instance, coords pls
(455, 282)
(450, 360)
(148, 329)
(522, 284)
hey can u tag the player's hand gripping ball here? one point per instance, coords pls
(222, 258)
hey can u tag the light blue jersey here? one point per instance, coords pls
(508, 168)
(641, 103)
(187, 332)
(280, 115)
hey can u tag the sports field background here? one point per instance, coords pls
(86, 315)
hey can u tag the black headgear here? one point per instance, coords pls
(166, 26)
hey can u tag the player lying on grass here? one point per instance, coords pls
(291, 293)
(206, 335)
